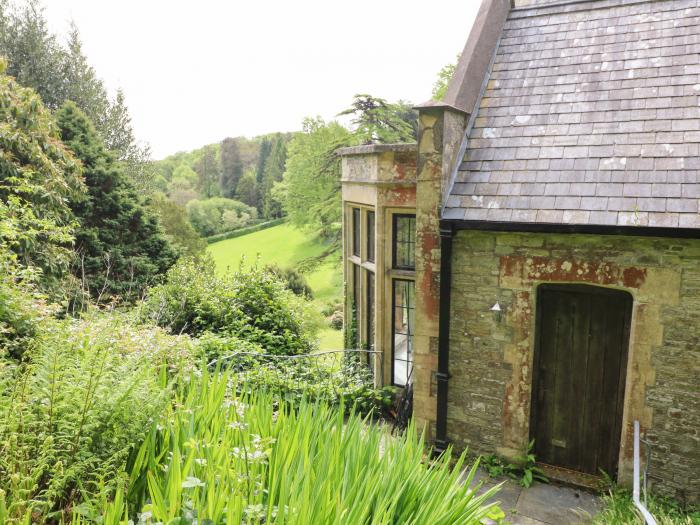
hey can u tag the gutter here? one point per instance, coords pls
(443, 371)
(591, 229)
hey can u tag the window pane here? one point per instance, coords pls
(405, 241)
(356, 231)
(370, 236)
(370, 310)
(403, 328)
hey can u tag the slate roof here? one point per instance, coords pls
(590, 116)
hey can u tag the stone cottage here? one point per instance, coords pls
(532, 265)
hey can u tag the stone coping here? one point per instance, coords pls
(369, 149)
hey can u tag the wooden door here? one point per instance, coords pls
(582, 337)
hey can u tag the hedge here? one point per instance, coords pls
(243, 231)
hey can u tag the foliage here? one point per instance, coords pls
(247, 189)
(218, 215)
(312, 178)
(251, 304)
(71, 414)
(38, 177)
(350, 334)
(213, 346)
(207, 168)
(618, 507)
(443, 80)
(272, 174)
(378, 121)
(334, 314)
(176, 226)
(290, 247)
(218, 457)
(22, 307)
(61, 72)
(293, 279)
(120, 246)
(525, 468)
(231, 167)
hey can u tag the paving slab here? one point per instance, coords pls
(542, 503)
(557, 505)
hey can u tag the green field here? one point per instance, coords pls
(288, 247)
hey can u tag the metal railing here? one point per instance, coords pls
(635, 486)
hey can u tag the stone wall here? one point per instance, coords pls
(491, 359)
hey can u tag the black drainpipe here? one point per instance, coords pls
(443, 371)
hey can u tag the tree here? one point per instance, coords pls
(120, 246)
(443, 80)
(247, 189)
(119, 137)
(231, 167)
(59, 73)
(82, 85)
(311, 184)
(176, 226)
(377, 121)
(181, 188)
(34, 56)
(38, 177)
(208, 170)
(272, 174)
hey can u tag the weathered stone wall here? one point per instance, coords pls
(491, 359)
(440, 132)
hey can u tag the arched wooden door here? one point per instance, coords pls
(582, 338)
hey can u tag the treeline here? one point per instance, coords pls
(281, 174)
(226, 186)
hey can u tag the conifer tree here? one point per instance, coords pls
(120, 246)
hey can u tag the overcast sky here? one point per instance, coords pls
(195, 72)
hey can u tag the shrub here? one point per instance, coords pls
(212, 347)
(216, 457)
(250, 304)
(334, 314)
(331, 378)
(218, 214)
(294, 280)
(71, 415)
(22, 307)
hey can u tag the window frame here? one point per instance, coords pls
(394, 240)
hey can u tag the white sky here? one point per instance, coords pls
(196, 72)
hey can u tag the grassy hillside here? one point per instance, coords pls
(289, 247)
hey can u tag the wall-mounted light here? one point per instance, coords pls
(497, 312)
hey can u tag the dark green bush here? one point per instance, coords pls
(250, 304)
